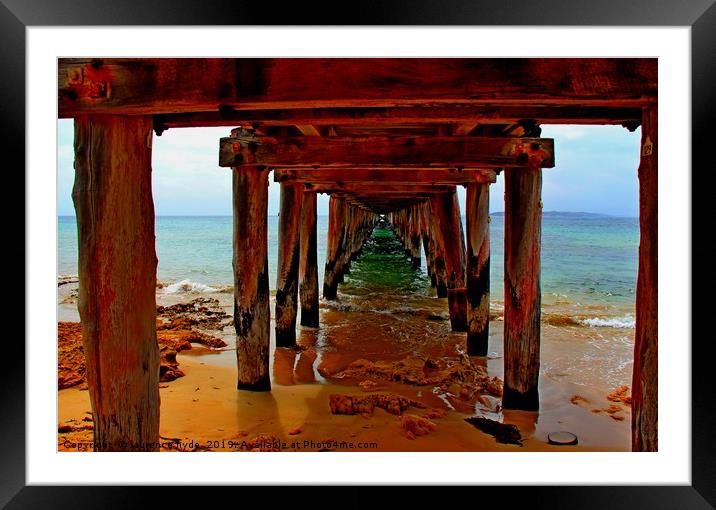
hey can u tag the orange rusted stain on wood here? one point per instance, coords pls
(646, 349)
(112, 195)
(523, 219)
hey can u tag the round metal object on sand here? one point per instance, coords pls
(561, 438)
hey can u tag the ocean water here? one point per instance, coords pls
(588, 261)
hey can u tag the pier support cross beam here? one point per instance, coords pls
(645, 373)
(308, 265)
(288, 263)
(251, 286)
(523, 228)
(477, 213)
(112, 196)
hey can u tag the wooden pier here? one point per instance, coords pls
(390, 137)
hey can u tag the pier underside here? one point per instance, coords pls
(387, 139)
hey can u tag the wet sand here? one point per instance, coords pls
(204, 411)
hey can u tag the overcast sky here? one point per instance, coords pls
(596, 171)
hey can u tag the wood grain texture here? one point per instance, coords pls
(477, 216)
(380, 176)
(173, 85)
(397, 116)
(523, 228)
(386, 151)
(450, 244)
(646, 347)
(334, 241)
(251, 285)
(308, 266)
(289, 224)
(112, 196)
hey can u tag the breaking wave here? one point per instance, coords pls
(188, 286)
(613, 322)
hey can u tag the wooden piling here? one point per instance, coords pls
(523, 224)
(336, 213)
(308, 267)
(112, 196)
(288, 260)
(251, 287)
(414, 237)
(645, 372)
(451, 239)
(477, 213)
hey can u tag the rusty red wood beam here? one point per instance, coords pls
(245, 148)
(377, 189)
(133, 86)
(379, 176)
(381, 116)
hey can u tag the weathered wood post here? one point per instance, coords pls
(414, 236)
(450, 238)
(288, 261)
(308, 267)
(112, 196)
(645, 374)
(438, 245)
(523, 226)
(336, 212)
(428, 243)
(477, 213)
(252, 318)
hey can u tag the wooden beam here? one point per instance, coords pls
(288, 260)
(134, 86)
(112, 196)
(379, 176)
(245, 148)
(308, 266)
(251, 287)
(523, 227)
(361, 116)
(645, 394)
(477, 215)
(372, 189)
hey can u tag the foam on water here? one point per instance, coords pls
(626, 322)
(188, 286)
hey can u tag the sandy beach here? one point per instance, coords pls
(202, 410)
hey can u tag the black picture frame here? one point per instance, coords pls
(700, 15)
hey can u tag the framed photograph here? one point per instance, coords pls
(425, 246)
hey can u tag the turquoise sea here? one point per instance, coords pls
(587, 259)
